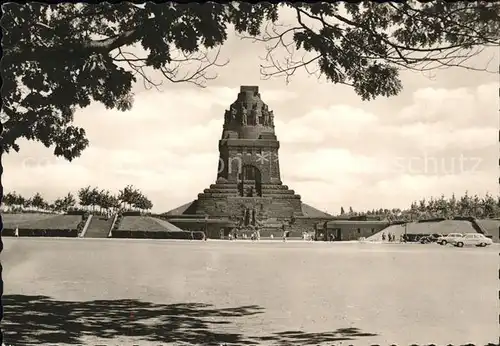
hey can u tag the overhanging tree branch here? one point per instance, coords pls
(334, 41)
(78, 51)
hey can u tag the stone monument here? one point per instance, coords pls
(249, 172)
(248, 188)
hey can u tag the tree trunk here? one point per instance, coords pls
(1, 241)
(1, 221)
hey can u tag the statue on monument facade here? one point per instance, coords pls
(255, 114)
(246, 217)
(233, 113)
(265, 115)
(243, 115)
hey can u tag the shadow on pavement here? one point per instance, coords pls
(302, 338)
(30, 320)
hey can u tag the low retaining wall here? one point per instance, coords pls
(71, 233)
(157, 235)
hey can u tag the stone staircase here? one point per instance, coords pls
(424, 228)
(488, 227)
(99, 227)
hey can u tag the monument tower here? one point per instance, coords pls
(248, 175)
(248, 188)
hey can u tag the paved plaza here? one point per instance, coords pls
(153, 292)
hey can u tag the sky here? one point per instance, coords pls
(438, 136)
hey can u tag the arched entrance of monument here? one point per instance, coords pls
(250, 182)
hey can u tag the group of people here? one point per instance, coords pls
(253, 236)
(390, 237)
(307, 236)
(234, 235)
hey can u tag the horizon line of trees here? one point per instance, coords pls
(129, 198)
(89, 198)
(486, 206)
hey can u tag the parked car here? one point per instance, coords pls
(448, 238)
(432, 238)
(472, 239)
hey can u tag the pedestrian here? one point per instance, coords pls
(383, 236)
(17, 232)
(284, 232)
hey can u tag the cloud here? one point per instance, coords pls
(461, 107)
(460, 118)
(323, 125)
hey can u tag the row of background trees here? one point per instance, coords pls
(89, 198)
(486, 206)
(130, 198)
